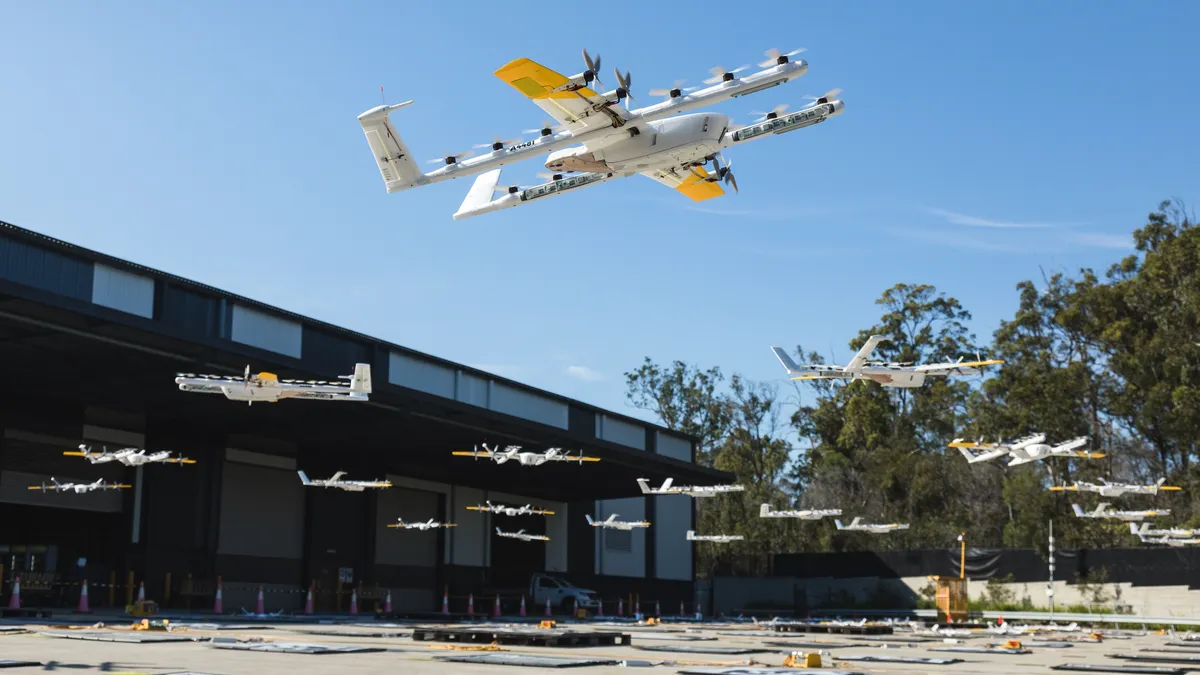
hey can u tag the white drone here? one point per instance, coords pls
(857, 525)
(513, 452)
(501, 509)
(689, 490)
(717, 538)
(1025, 450)
(601, 138)
(78, 488)
(522, 535)
(1102, 511)
(613, 524)
(805, 514)
(1174, 532)
(336, 481)
(251, 387)
(128, 456)
(430, 524)
(887, 374)
(1107, 489)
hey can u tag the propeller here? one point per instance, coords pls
(723, 173)
(593, 69)
(511, 189)
(623, 85)
(497, 143)
(550, 176)
(722, 75)
(674, 92)
(775, 112)
(774, 58)
(548, 127)
(824, 98)
(246, 375)
(451, 159)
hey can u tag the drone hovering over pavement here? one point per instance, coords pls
(522, 535)
(857, 525)
(336, 481)
(689, 490)
(1025, 450)
(79, 488)
(251, 387)
(806, 514)
(716, 538)
(1102, 511)
(613, 524)
(887, 374)
(601, 138)
(513, 452)
(128, 456)
(430, 524)
(501, 509)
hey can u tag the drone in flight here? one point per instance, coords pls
(522, 535)
(336, 481)
(857, 525)
(689, 490)
(78, 488)
(1102, 511)
(596, 137)
(887, 374)
(613, 524)
(430, 524)
(128, 456)
(503, 510)
(251, 387)
(513, 452)
(1107, 489)
(717, 538)
(1025, 450)
(806, 514)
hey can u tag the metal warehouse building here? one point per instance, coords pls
(89, 347)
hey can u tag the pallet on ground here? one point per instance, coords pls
(536, 638)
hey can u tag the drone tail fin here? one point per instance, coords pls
(304, 478)
(764, 511)
(645, 485)
(868, 348)
(395, 162)
(1078, 511)
(479, 198)
(788, 364)
(360, 381)
(589, 519)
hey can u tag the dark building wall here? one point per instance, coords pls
(45, 269)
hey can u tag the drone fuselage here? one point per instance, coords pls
(673, 142)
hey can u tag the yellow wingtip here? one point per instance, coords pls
(1170, 487)
(549, 513)
(807, 377)
(394, 525)
(73, 453)
(591, 459)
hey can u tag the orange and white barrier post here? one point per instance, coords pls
(353, 601)
(547, 606)
(308, 601)
(470, 604)
(600, 607)
(657, 609)
(141, 596)
(217, 607)
(14, 602)
(83, 600)
(258, 604)
(446, 601)
(620, 607)
(496, 607)
(387, 603)
(522, 604)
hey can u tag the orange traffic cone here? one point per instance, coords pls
(15, 601)
(522, 605)
(217, 607)
(258, 604)
(308, 602)
(353, 602)
(387, 604)
(83, 600)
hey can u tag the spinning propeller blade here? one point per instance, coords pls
(450, 159)
(593, 69)
(497, 143)
(548, 127)
(775, 112)
(720, 74)
(824, 98)
(623, 85)
(774, 58)
(674, 92)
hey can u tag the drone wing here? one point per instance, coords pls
(695, 184)
(576, 107)
(948, 368)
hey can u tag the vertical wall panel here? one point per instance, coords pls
(332, 354)
(266, 331)
(631, 563)
(125, 291)
(190, 313)
(619, 431)
(556, 529)
(518, 403)
(471, 535)
(414, 373)
(674, 447)
(42, 268)
(672, 551)
(472, 389)
(262, 512)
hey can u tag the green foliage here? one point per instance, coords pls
(1114, 357)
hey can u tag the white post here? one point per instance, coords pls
(1050, 586)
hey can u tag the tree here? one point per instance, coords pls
(685, 399)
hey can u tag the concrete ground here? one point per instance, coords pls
(418, 657)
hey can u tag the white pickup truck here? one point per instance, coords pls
(562, 593)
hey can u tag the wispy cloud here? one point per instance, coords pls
(958, 241)
(788, 212)
(975, 221)
(583, 373)
(511, 372)
(1121, 241)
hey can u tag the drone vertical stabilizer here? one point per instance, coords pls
(395, 162)
(360, 381)
(860, 359)
(304, 478)
(788, 364)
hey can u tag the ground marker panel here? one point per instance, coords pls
(537, 638)
(294, 647)
(126, 637)
(526, 660)
(1118, 668)
(871, 658)
(700, 649)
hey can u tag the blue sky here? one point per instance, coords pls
(218, 141)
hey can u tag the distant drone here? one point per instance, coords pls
(1102, 511)
(128, 456)
(1107, 489)
(522, 535)
(501, 509)
(613, 524)
(251, 387)
(808, 514)
(857, 525)
(78, 488)
(716, 538)
(513, 452)
(336, 481)
(689, 490)
(430, 524)
(887, 374)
